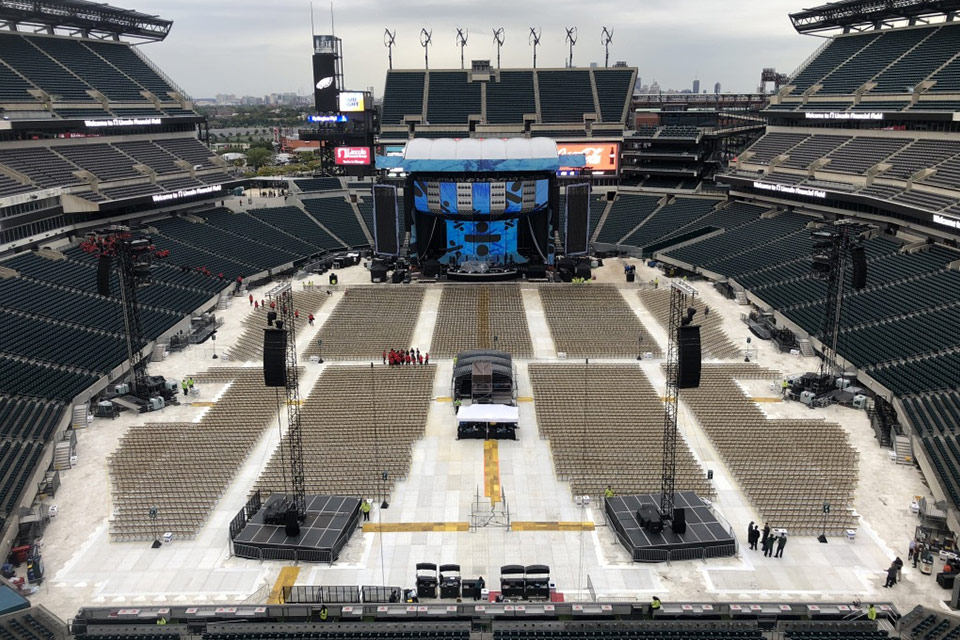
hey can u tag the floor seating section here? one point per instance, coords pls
(790, 466)
(339, 217)
(605, 425)
(249, 345)
(615, 331)
(481, 317)
(368, 321)
(714, 342)
(358, 422)
(183, 469)
(295, 222)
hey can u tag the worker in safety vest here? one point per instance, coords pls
(183, 385)
(608, 492)
(871, 613)
(365, 509)
(323, 613)
(654, 606)
(161, 620)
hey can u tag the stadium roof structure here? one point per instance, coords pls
(861, 15)
(80, 17)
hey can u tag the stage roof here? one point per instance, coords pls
(858, 15)
(80, 17)
(472, 154)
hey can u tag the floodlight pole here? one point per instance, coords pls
(534, 39)
(498, 38)
(606, 37)
(388, 41)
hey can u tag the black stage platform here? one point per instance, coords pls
(326, 529)
(706, 537)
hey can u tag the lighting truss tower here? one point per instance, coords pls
(425, 39)
(606, 37)
(571, 40)
(498, 38)
(131, 257)
(462, 35)
(534, 39)
(389, 39)
(680, 294)
(287, 313)
(833, 247)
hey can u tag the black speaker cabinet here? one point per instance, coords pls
(274, 358)
(688, 347)
(103, 276)
(859, 268)
(292, 524)
(679, 521)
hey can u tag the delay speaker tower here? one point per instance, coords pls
(274, 358)
(688, 364)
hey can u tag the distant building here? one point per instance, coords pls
(696, 86)
(716, 88)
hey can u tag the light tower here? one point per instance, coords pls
(389, 38)
(425, 38)
(534, 39)
(572, 40)
(498, 38)
(606, 37)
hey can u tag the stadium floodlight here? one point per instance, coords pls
(425, 38)
(606, 37)
(535, 41)
(462, 35)
(572, 39)
(498, 38)
(389, 38)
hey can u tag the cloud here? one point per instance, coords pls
(254, 48)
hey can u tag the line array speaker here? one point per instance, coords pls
(103, 276)
(688, 347)
(859, 268)
(274, 358)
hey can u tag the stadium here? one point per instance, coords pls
(538, 357)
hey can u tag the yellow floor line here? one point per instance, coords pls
(552, 526)
(414, 527)
(287, 578)
(524, 399)
(444, 399)
(202, 404)
(767, 399)
(491, 470)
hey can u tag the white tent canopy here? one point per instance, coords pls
(499, 413)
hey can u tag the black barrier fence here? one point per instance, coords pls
(286, 555)
(240, 520)
(326, 595)
(381, 594)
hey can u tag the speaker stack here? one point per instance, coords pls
(679, 521)
(688, 347)
(859, 268)
(274, 358)
(103, 276)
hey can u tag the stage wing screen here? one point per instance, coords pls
(578, 219)
(386, 220)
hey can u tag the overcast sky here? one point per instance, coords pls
(255, 47)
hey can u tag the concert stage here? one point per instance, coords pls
(705, 537)
(326, 529)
